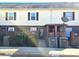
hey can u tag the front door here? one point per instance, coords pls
(68, 30)
(41, 33)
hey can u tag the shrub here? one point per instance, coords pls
(22, 40)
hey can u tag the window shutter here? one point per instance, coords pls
(37, 16)
(14, 15)
(28, 15)
(63, 14)
(6, 16)
(73, 15)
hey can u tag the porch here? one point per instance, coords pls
(61, 36)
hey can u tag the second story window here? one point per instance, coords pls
(33, 16)
(69, 15)
(10, 15)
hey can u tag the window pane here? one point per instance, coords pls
(11, 15)
(33, 29)
(33, 16)
(70, 18)
(69, 14)
(11, 29)
(10, 18)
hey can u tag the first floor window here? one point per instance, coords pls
(33, 16)
(69, 15)
(10, 15)
(33, 29)
(11, 29)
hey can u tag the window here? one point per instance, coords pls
(32, 15)
(51, 28)
(10, 15)
(69, 15)
(33, 29)
(11, 29)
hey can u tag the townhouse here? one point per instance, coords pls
(37, 20)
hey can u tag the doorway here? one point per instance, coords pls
(41, 33)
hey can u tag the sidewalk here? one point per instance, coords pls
(32, 51)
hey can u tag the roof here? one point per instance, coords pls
(40, 5)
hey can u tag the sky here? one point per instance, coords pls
(39, 1)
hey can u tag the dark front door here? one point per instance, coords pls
(41, 33)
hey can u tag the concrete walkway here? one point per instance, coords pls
(32, 51)
(42, 43)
